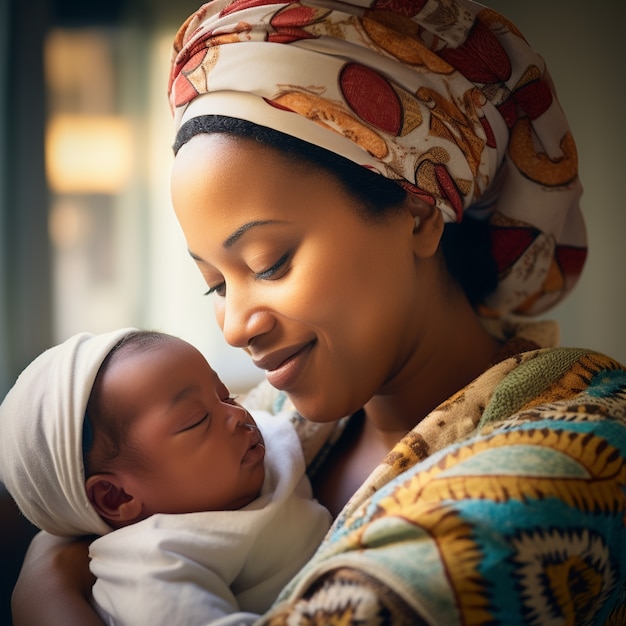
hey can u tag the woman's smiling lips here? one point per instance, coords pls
(284, 366)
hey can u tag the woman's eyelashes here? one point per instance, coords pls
(220, 290)
(274, 272)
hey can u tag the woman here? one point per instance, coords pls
(371, 193)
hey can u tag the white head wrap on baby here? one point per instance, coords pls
(41, 435)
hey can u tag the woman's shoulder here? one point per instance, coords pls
(543, 387)
(559, 381)
(533, 372)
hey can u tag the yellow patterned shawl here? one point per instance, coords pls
(505, 505)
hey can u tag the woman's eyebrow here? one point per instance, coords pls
(232, 239)
(195, 257)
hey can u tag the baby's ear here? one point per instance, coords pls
(111, 501)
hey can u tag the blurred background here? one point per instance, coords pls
(88, 240)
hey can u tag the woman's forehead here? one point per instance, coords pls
(235, 179)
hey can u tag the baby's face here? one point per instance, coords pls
(199, 449)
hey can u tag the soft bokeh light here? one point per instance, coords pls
(88, 153)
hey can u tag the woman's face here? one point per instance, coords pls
(324, 300)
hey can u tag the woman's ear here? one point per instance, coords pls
(427, 225)
(111, 501)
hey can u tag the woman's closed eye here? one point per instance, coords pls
(274, 272)
(219, 289)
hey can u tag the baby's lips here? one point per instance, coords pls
(255, 435)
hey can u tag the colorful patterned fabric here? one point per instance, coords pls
(443, 96)
(505, 505)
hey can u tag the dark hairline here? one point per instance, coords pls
(375, 194)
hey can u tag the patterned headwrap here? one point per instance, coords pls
(444, 96)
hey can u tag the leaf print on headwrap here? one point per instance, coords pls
(516, 246)
(333, 116)
(509, 241)
(474, 101)
(286, 23)
(481, 58)
(242, 5)
(532, 93)
(408, 8)
(448, 189)
(565, 267)
(553, 283)
(539, 166)
(194, 76)
(555, 280)
(449, 122)
(290, 21)
(433, 177)
(378, 102)
(400, 38)
(570, 261)
(498, 23)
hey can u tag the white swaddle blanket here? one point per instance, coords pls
(41, 435)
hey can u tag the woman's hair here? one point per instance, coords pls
(105, 433)
(376, 193)
(466, 245)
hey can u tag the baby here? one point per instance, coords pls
(203, 513)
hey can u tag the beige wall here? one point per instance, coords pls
(584, 44)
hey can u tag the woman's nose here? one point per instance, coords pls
(242, 320)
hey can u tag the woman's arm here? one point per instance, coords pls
(58, 569)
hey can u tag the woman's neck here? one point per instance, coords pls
(445, 361)
(458, 350)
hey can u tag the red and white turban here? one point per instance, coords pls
(444, 96)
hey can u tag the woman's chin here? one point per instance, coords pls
(322, 410)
